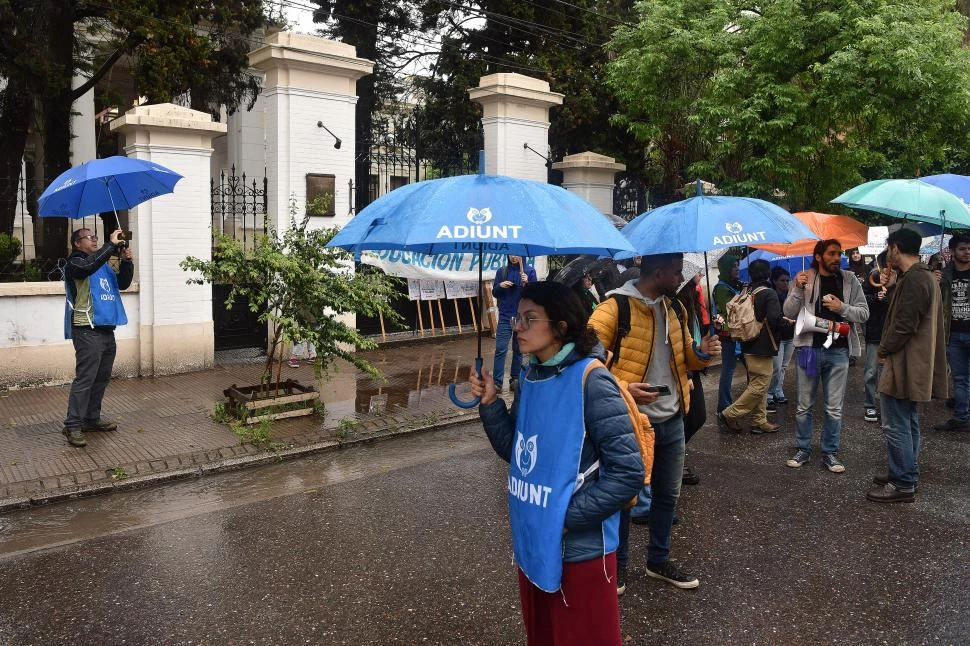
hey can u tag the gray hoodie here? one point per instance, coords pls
(658, 372)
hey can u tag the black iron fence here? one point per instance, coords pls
(239, 208)
(22, 256)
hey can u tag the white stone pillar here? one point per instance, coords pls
(308, 79)
(175, 333)
(83, 135)
(591, 176)
(516, 112)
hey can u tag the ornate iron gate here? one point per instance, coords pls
(238, 211)
(630, 197)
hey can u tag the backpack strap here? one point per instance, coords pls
(622, 325)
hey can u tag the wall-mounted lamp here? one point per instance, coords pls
(526, 146)
(336, 144)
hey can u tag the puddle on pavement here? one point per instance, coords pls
(77, 520)
(410, 380)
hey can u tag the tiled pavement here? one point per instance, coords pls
(166, 430)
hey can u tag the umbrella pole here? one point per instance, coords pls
(478, 359)
(942, 230)
(107, 186)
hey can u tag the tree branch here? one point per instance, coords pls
(130, 43)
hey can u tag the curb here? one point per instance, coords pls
(224, 465)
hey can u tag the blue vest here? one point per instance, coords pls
(549, 434)
(106, 306)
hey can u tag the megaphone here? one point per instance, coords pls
(808, 322)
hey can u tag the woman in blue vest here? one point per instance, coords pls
(573, 464)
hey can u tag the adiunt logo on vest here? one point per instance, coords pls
(526, 456)
(106, 287)
(479, 228)
(735, 235)
(526, 453)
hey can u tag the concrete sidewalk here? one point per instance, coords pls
(166, 430)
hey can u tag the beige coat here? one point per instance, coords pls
(913, 342)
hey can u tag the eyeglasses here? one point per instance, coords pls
(525, 322)
(91, 237)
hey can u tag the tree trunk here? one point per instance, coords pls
(15, 109)
(57, 117)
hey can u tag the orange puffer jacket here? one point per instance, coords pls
(637, 347)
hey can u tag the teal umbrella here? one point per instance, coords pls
(908, 199)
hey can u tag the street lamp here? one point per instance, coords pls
(336, 143)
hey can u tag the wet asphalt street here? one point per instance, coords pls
(407, 541)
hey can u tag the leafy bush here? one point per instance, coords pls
(301, 288)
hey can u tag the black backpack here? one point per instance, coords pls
(623, 323)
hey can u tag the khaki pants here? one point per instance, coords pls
(752, 400)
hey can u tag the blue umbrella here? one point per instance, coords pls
(709, 222)
(474, 213)
(792, 264)
(106, 184)
(958, 185)
(477, 213)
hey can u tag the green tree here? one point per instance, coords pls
(300, 288)
(562, 43)
(796, 99)
(383, 31)
(176, 46)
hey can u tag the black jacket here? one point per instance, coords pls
(767, 308)
(877, 312)
(786, 330)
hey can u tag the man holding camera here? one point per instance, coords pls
(827, 300)
(92, 310)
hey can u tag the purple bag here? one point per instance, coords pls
(808, 359)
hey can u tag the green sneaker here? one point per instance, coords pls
(100, 425)
(74, 436)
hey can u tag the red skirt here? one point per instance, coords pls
(585, 611)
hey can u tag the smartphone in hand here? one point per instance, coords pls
(661, 390)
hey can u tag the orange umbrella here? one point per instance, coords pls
(850, 233)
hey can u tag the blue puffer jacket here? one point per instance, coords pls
(609, 438)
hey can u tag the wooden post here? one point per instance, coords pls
(420, 318)
(383, 331)
(441, 315)
(431, 318)
(471, 306)
(457, 314)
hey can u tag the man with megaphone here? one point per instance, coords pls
(825, 301)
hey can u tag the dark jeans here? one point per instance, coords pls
(659, 498)
(504, 334)
(94, 351)
(729, 358)
(958, 355)
(900, 424)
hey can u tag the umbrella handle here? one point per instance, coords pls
(472, 403)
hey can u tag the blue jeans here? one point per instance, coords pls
(872, 374)
(729, 358)
(659, 499)
(833, 372)
(958, 356)
(504, 334)
(900, 424)
(776, 390)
